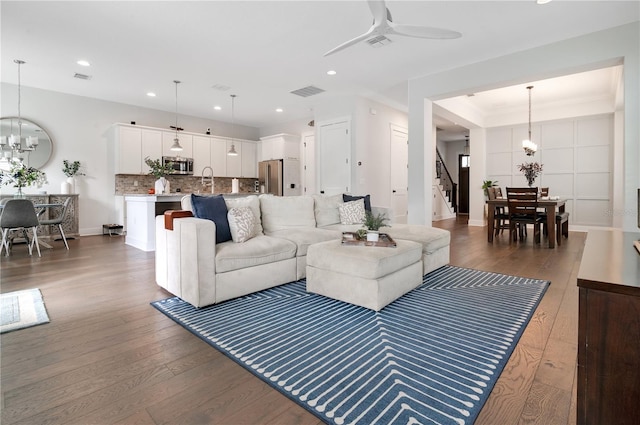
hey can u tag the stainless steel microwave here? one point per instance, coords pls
(179, 164)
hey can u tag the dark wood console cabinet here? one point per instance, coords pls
(609, 330)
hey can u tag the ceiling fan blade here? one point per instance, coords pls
(350, 42)
(423, 32)
(378, 10)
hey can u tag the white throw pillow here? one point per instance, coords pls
(242, 222)
(250, 201)
(352, 212)
(326, 209)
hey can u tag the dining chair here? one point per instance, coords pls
(57, 221)
(501, 216)
(544, 191)
(523, 209)
(19, 214)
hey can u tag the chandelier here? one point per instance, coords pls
(12, 148)
(529, 147)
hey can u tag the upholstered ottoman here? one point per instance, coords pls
(367, 276)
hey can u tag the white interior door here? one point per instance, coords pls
(334, 157)
(399, 159)
(309, 163)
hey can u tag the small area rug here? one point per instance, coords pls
(22, 309)
(432, 356)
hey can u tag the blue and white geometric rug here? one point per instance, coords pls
(432, 356)
(22, 309)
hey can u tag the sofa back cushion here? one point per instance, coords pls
(286, 212)
(326, 209)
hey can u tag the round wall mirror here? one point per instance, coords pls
(36, 158)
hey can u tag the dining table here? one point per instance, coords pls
(551, 206)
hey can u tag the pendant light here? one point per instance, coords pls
(176, 141)
(529, 147)
(232, 151)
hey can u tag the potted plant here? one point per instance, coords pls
(71, 170)
(486, 184)
(373, 223)
(19, 175)
(160, 171)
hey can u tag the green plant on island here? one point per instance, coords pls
(157, 168)
(71, 169)
(374, 222)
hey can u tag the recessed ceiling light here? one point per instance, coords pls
(331, 72)
(217, 108)
(543, 1)
(83, 63)
(151, 94)
(279, 110)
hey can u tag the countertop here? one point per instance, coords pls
(176, 196)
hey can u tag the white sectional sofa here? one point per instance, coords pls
(190, 265)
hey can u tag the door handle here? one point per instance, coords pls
(394, 191)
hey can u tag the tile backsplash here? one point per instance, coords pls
(141, 183)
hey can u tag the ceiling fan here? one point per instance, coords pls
(383, 24)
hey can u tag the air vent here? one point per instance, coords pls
(378, 41)
(220, 87)
(307, 91)
(82, 76)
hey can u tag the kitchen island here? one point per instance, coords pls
(141, 211)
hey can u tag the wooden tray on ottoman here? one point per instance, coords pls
(352, 238)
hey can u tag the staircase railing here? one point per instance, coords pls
(449, 186)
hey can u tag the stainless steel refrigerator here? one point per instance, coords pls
(280, 177)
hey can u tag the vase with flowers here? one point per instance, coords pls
(160, 171)
(19, 175)
(531, 170)
(71, 170)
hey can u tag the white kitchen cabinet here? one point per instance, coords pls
(201, 154)
(234, 163)
(186, 141)
(249, 160)
(219, 156)
(128, 148)
(151, 147)
(280, 146)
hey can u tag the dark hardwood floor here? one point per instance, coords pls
(108, 357)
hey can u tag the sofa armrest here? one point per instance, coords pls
(170, 215)
(185, 259)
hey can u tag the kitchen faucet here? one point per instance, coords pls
(209, 179)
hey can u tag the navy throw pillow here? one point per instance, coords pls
(367, 200)
(215, 209)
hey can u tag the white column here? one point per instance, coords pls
(478, 172)
(421, 159)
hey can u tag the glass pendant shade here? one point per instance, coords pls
(232, 151)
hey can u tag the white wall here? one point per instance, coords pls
(78, 127)
(371, 137)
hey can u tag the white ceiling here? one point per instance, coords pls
(262, 50)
